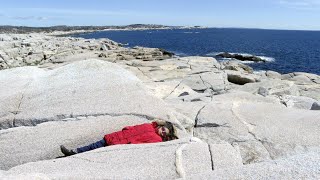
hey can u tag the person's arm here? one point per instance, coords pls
(160, 122)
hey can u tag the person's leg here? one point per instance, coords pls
(98, 144)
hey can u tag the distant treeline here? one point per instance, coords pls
(25, 29)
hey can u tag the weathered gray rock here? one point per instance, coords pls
(20, 49)
(310, 91)
(299, 102)
(315, 106)
(84, 88)
(189, 109)
(237, 77)
(38, 176)
(201, 64)
(91, 88)
(271, 87)
(245, 122)
(225, 156)
(35, 143)
(239, 126)
(236, 66)
(301, 77)
(169, 160)
(273, 74)
(241, 57)
(304, 166)
(216, 81)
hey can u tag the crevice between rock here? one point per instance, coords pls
(212, 165)
(173, 90)
(67, 117)
(199, 72)
(214, 125)
(204, 82)
(19, 105)
(196, 119)
(17, 111)
(143, 73)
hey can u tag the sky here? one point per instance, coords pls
(266, 14)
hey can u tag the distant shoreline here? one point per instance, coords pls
(65, 30)
(61, 33)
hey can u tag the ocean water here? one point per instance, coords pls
(286, 51)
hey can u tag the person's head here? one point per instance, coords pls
(166, 131)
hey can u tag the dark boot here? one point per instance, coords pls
(67, 152)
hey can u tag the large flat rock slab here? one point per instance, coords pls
(84, 88)
(262, 130)
(304, 166)
(148, 161)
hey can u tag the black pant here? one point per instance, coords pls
(98, 144)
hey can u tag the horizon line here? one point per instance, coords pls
(187, 26)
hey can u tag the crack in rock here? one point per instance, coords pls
(17, 111)
(173, 90)
(19, 105)
(65, 117)
(143, 72)
(196, 119)
(199, 72)
(212, 165)
(205, 83)
(214, 125)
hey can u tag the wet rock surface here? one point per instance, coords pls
(241, 57)
(232, 122)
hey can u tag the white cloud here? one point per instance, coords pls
(39, 18)
(301, 4)
(76, 11)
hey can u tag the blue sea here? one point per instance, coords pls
(286, 50)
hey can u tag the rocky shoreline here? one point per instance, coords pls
(233, 123)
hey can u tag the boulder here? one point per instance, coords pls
(201, 64)
(239, 78)
(241, 57)
(311, 91)
(273, 74)
(299, 102)
(271, 87)
(166, 53)
(216, 81)
(315, 106)
(236, 66)
(302, 78)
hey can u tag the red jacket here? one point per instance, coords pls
(143, 133)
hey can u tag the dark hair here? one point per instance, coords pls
(171, 135)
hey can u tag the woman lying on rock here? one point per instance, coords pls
(157, 131)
